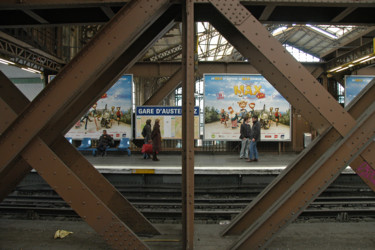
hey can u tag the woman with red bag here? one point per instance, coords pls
(156, 140)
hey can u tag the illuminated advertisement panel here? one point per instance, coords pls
(170, 121)
(353, 85)
(229, 98)
(112, 112)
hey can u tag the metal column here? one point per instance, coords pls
(188, 84)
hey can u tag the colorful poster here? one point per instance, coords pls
(230, 98)
(113, 112)
(354, 85)
(170, 121)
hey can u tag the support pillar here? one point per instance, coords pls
(188, 124)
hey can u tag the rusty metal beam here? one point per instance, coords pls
(71, 188)
(188, 84)
(272, 60)
(155, 31)
(123, 63)
(311, 183)
(79, 74)
(172, 83)
(10, 176)
(80, 197)
(296, 169)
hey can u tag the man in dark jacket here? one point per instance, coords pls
(245, 133)
(254, 138)
(105, 141)
(146, 132)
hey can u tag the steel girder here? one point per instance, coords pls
(79, 183)
(188, 84)
(302, 91)
(172, 83)
(79, 75)
(297, 168)
(142, 43)
(286, 182)
(314, 180)
(141, 16)
(272, 60)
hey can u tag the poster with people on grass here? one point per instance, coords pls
(112, 112)
(230, 98)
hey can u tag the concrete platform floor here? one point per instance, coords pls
(170, 163)
(38, 234)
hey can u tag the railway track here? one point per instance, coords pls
(211, 205)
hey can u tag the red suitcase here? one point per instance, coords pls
(147, 148)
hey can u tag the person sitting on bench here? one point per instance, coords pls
(105, 141)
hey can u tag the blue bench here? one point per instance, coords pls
(123, 146)
(86, 145)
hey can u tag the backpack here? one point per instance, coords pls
(144, 133)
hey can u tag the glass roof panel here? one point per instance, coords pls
(337, 30)
(300, 55)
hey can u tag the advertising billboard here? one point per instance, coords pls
(229, 98)
(113, 112)
(170, 121)
(353, 85)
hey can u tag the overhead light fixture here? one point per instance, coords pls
(321, 31)
(3, 61)
(368, 59)
(331, 70)
(360, 59)
(342, 69)
(32, 70)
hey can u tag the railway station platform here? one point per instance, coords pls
(205, 163)
(38, 234)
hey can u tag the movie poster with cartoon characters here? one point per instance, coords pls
(231, 98)
(113, 112)
(354, 85)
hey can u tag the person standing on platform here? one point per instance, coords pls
(146, 133)
(245, 133)
(156, 140)
(254, 138)
(105, 141)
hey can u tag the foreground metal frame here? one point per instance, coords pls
(75, 87)
(32, 135)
